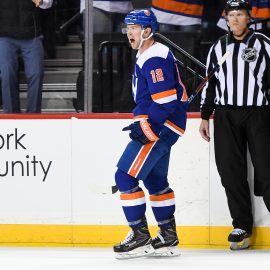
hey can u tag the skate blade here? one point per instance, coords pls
(240, 245)
(135, 253)
(166, 252)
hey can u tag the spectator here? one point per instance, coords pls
(48, 25)
(20, 34)
(108, 16)
(185, 15)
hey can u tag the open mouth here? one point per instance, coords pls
(132, 40)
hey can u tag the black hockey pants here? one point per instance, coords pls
(234, 130)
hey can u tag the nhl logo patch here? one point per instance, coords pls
(249, 54)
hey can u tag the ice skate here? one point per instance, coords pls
(238, 239)
(165, 243)
(136, 244)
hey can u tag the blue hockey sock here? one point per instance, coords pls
(134, 207)
(163, 206)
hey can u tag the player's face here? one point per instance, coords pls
(238, 21)
(134, 35)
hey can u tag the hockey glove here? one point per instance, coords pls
(141, 132)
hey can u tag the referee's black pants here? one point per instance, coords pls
(235, 128)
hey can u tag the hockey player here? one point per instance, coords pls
(239, 95)
(159, 120)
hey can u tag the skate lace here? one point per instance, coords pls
(160, 237)
(128, 238)
(238, 232)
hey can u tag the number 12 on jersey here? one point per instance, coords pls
(157, 75)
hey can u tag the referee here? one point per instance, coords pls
(239, 95)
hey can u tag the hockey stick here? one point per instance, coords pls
(197, 90)
(99, 188)
(208, 77)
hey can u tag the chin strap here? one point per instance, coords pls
(143, 39)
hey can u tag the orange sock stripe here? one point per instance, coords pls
(133, 199)
(162, 197)
(132, 196)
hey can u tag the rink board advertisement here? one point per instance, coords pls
(56, 174)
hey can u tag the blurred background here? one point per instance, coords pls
(88, 61)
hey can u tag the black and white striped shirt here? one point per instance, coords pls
(243, 79)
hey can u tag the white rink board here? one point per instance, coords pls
(83, 155)
(94, 165)
(29, 199)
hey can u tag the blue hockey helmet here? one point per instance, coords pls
(144, 17)
(237, 5)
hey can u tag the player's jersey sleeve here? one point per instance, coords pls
(160, 74)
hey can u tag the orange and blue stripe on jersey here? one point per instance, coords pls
(165, 96)
(174, 128)
(260, 10)
(260, 13)
(184, 97)
(190, 8)
(169, 124)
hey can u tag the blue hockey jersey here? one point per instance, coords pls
(158, 91)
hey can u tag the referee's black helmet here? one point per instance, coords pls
(237, 5)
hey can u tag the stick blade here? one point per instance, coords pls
(114, 189)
